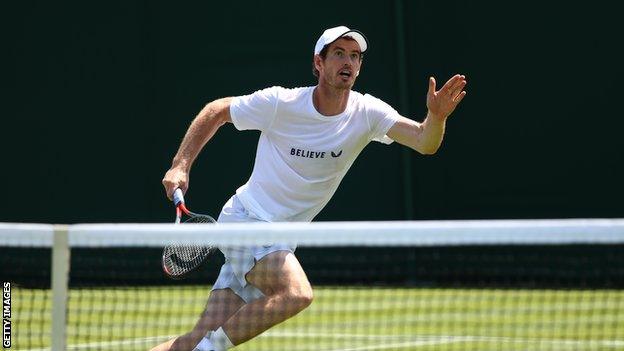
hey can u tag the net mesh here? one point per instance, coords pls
(487, 285)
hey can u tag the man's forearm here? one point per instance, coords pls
(431, 135)
(202, 129)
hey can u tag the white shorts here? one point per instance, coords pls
(239, 260)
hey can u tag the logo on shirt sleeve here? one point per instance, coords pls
(336, 155)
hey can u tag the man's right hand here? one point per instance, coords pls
(175, 178)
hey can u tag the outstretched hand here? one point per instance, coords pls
(443, 102)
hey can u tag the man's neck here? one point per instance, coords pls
(329, 101)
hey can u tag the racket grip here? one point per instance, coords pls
(178, 197)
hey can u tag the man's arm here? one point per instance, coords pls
(203, 127)
(426, 137)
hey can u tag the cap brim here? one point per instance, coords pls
(358, 37)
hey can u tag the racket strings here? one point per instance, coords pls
(200, 219)
(181, 259)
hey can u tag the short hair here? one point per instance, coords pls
(323, 55)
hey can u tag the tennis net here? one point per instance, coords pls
(431, 285)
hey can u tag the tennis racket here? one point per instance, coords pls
(178, 260)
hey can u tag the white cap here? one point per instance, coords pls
(332, 34)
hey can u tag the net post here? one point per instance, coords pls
(60, 277)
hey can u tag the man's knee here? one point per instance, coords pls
(305, 297)
(300, 297)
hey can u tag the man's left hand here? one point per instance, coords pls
(443, 102)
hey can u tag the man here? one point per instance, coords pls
(309, 139)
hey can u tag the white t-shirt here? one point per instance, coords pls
(302, 155)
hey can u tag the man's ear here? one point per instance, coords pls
(317, 62)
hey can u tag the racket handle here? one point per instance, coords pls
(178, 197)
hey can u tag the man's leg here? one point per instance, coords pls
(221, 305)
(287, 292)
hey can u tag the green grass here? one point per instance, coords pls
(342, 319)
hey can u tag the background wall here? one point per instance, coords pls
(96, 97)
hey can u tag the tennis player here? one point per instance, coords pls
(309, 138)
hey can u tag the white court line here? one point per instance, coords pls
(295, 334)
(401, 345)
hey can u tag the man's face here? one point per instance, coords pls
(341, 65)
